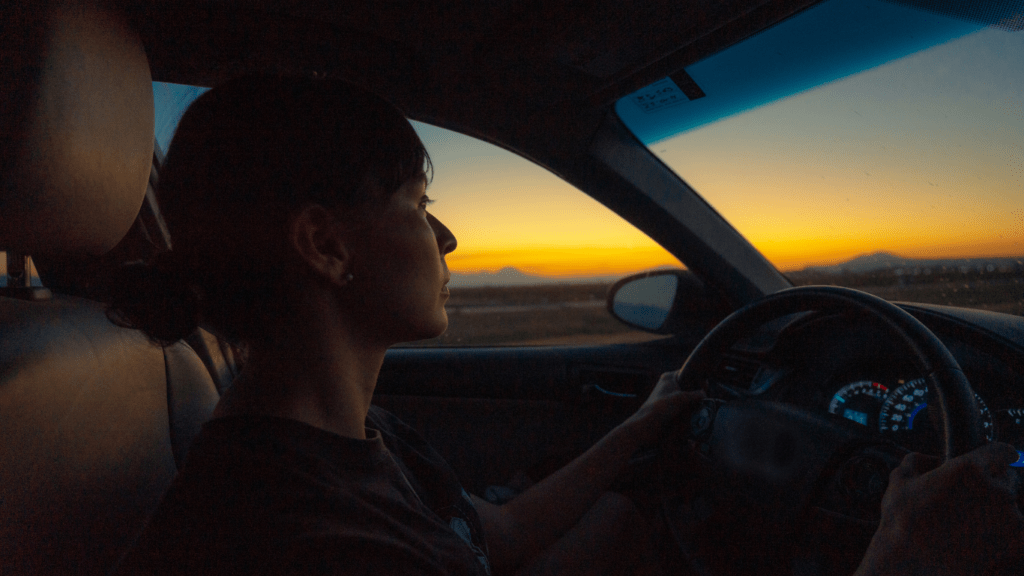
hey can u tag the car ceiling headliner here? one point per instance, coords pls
(484, 68)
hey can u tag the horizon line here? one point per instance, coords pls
(595, 275)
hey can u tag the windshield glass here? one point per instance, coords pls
(864, 143)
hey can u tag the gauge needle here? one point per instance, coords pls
(910, 422)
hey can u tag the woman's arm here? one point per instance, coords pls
(518, 531)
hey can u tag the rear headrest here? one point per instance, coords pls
(76, 118)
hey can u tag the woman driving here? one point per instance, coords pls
(298, 213)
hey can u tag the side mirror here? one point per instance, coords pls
(665, 302)
(644, 302)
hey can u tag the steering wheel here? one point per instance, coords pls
(761, 466)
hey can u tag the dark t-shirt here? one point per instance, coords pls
(263, 495)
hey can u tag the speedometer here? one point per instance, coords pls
(904, 415)
(859, 401)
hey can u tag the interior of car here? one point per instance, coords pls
(813, 390)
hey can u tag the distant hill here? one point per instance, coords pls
(887, 261)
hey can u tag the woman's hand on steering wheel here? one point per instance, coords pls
(953, 517)
(665, 403)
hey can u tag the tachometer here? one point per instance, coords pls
(904, 415)
(859, 401)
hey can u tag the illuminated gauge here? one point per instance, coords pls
(904, 415)
(859, 401)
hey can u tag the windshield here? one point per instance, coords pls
(862, 143)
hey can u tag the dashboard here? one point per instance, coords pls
(846, 368)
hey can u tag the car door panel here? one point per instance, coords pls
(495, 412)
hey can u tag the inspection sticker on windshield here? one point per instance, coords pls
(661, 94)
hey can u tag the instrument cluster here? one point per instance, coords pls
(905, 411)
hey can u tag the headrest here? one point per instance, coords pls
(76, 117)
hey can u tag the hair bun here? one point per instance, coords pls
(155, 298)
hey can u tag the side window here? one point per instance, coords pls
(32, 273)
(535, 256)
(170, 102)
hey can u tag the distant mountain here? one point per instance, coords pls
(878, 260)
(888, 261)
(510, 276)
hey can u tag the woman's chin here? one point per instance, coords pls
(441, 325)
(427, 330)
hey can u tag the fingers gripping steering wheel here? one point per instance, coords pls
(768, 461)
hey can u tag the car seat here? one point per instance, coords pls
(94, 419)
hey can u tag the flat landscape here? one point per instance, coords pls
(575, 313)
(553, 314)
(996, 290)
(547, 314)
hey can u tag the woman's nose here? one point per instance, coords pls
(446, 241)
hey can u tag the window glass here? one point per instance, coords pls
(33, 274)
(863, 143)
(170, 101)
(535, 256)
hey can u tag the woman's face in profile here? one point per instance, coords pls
(399, 271)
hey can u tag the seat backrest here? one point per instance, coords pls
(94, 418)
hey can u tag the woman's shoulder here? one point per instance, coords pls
(404, 442)
(249, 466)
(378, 418)
(271, 441)
(252, 488)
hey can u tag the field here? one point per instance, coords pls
(995, 290)
(576, 313)
(532, 315)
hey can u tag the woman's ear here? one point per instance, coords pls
(316, 236)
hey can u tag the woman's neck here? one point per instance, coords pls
(315, 374)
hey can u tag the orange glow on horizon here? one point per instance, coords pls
(563, 261)
(790, 254)
(581, 263)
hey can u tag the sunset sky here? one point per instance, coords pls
(915, 149)
(921, 157)
(507, 211)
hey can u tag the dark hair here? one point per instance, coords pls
(245, 156)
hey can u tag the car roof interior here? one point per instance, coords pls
(475, 68)
(94, 418)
